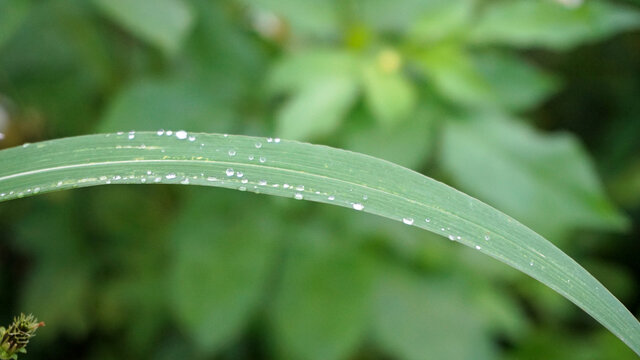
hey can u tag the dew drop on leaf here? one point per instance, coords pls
(408, 221)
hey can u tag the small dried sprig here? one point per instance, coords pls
(15, 338)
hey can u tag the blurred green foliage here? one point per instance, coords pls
(460, 90)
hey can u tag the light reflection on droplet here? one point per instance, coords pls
(181, 134)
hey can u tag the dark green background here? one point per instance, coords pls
(529, 105)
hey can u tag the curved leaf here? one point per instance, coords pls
(316, 173)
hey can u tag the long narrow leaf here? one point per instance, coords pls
(315, 173)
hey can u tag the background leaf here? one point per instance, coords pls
(557, 189)
(419, 318)
(390, 96)
(541, 23)
(220, 271)
(155, 104)
(163, 23)
(320, 309)
(316, 110)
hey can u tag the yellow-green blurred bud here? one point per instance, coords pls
(389, 60)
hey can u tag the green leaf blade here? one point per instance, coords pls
(163, 23)
(315, 173)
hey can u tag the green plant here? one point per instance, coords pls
(315, 173)
(529, 106)
(15, 338)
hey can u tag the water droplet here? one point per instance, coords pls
(365, 197)
(103, 178)
(357, 206)
(331, 198)
(451, 237)
(232, 152)
(258, 145)
(192, 138)
(262, 159)
(36, 190)
(181, 134)
(298, 196)
(25, 145)
(285, 186)
(149, 172)
(229, 172)
(408, 221)
(242, 188)
(531, 263)
(132, 135)
(239, 174)
(185, 181)
(300, 187)
(169, 132)
(478, 247)
(160, 132)
(262, 182)
(269, 140)
(117, 177)
(120, 133)
(244, 181)
(157, 179)
(211, 178)
(143, 180)
(171, 176)
(486, 237)
(226, 135)
(251, 157)
(427, 220)
(276, 140)
(459, 237)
